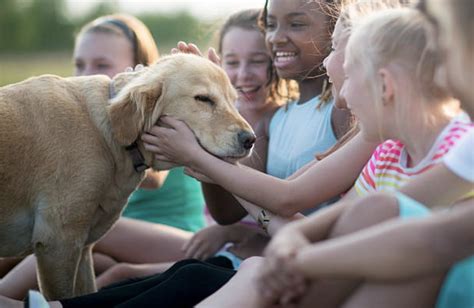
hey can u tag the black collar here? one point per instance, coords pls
(137, 157)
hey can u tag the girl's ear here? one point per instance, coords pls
(388, 86)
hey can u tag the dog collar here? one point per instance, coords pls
(137, 157)
(111, 89)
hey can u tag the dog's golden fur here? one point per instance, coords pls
(64, 173)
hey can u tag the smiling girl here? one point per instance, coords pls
(297, 35)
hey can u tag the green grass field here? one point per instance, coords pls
(14, 68)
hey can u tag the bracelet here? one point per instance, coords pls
(263, 220)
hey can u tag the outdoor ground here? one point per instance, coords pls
(14, 68)
(18, 67)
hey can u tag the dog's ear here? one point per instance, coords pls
(135, 109)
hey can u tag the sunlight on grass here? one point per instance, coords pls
(14, 68)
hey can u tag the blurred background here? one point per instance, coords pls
(37, 36)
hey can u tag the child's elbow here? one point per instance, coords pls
(286, 208)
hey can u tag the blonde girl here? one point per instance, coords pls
(403, 103)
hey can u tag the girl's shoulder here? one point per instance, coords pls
(390, 147)
(451, 135)
(459, 127)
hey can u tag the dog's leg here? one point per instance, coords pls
(57, 267)
(85, 279)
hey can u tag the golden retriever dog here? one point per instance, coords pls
(70, 156)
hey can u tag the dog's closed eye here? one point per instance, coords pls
(205, 99)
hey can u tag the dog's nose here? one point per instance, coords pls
(246, 138)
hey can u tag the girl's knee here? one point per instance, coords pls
(251, 263)
(365, 212)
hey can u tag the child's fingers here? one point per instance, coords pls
(201, 253)
(163, 158)
(269, 281)
(156, 132)
(182, 46)
(188, 243)
(194, 49)
(169, 120)
(191, 251)
(212, 55)
(139, 67)
(152, 148)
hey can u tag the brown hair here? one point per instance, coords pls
(280, 90)
(144, 47)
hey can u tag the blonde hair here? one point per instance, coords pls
(454, 22)
(457, 17)
(143, 45)
(351, 13)
(397, 38)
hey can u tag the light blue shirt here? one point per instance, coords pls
(297, 135)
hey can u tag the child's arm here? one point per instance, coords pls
(327, 178)
(418, 246)
(206, 242)
(438, 186)
(222, 205)
(154, 179)
(275, 222)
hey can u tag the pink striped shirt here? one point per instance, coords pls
(387, 168)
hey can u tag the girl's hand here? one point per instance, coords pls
(207, 242)
(279, 277)
(193, 49)
(176, 144)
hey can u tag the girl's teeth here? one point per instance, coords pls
(282, 56)
(248, 89)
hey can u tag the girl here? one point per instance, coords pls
(384, 69)
(296, 33)
(310, 129)
(409, 126)
(250, 71)
(328, 178)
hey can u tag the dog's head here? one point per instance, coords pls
(189, 88)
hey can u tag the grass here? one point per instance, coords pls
(18, 67)
(14, 68)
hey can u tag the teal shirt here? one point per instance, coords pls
(178, 203)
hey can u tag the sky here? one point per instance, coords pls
(205, 9)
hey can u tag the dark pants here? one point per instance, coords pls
(185, 284)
